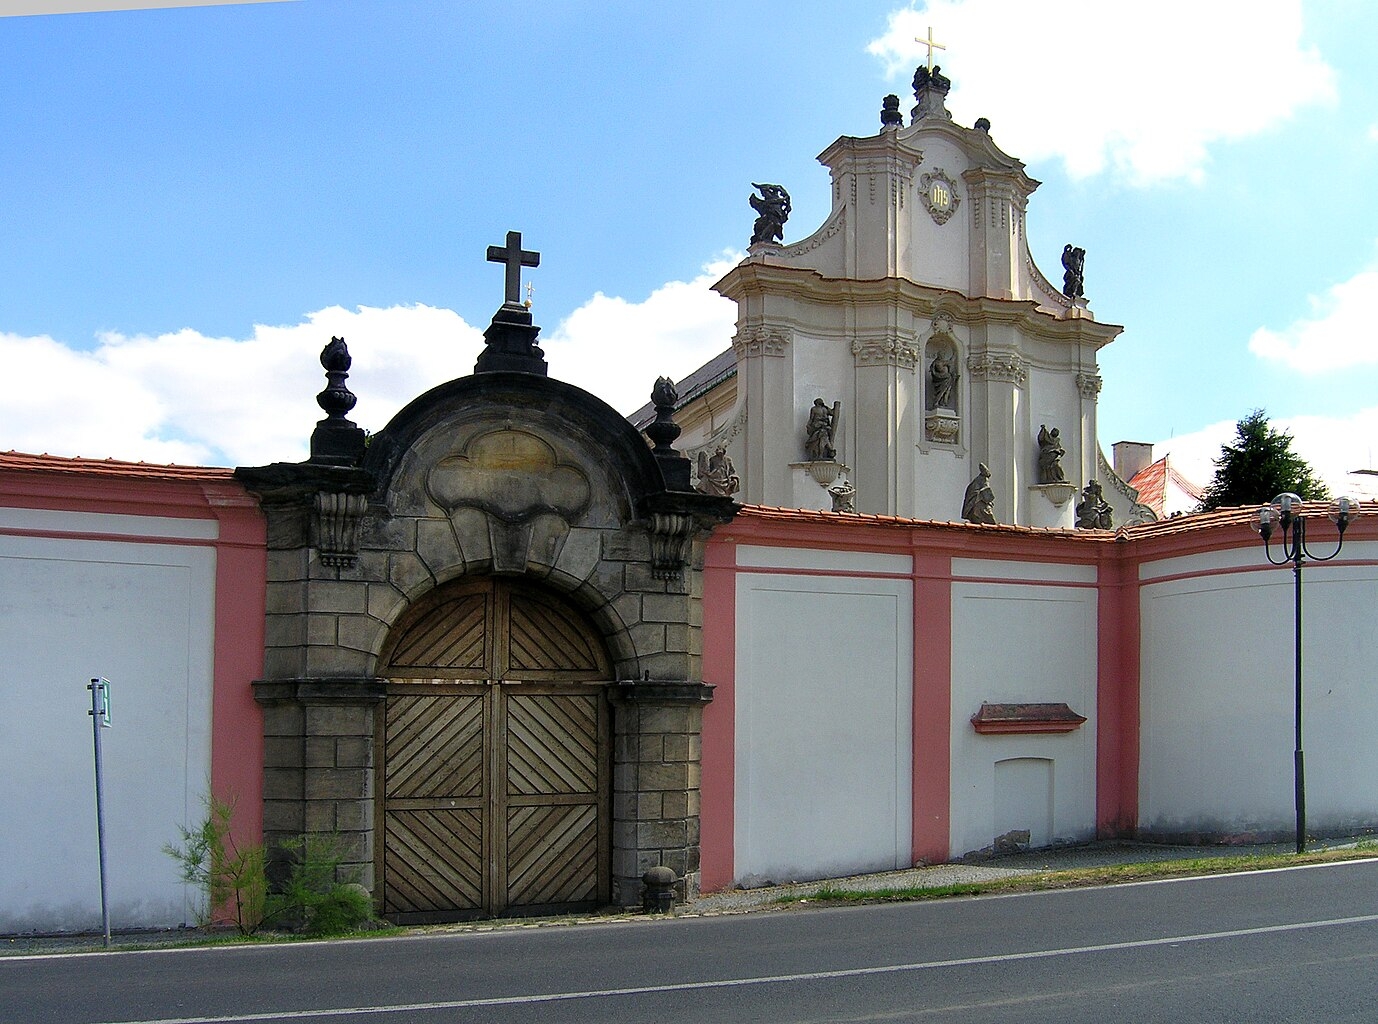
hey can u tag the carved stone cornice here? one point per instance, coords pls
(761, 341)
(834, 224)
(885, 352)
(1088, 384)
(750, 279)
(999, 366)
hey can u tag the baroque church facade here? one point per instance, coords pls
(916, 319)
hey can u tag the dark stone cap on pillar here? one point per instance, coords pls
(510, 343)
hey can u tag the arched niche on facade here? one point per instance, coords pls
(942, 362)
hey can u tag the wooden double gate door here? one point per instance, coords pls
(495, 755)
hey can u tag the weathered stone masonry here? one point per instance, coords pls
(495, 474)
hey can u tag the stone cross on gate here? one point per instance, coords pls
(918, 39)
(515, 257)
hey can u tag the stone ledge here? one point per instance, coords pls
(661, 691)
(337, 690)
(1026, 718)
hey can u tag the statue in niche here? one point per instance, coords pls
(943, 376)
(978, 504)
(717, 475)
(842, 494)
(821, 431)
(1074, 270)
(1050, 452)
(1093, 511)
(772, 207)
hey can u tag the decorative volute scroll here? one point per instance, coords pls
(671, 533)
(337, 528)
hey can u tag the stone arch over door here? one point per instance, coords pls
(494, 755)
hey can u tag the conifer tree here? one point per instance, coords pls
(1258, 467)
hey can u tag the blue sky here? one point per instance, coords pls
(197, 198)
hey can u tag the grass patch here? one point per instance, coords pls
(1075, 878)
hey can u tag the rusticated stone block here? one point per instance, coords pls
(676, 718)
(675, 805)
(320, 630)
(282, 784)
(663, 776)
(320, 816)
(676, 747)
(648, 638)
(282, 751)
(678, 637)
(320, 752)
(407, 572)
(354, 815)
(285, 598)
(663, 608)
(651, 748)
(337, 784)
(385, 602)
(354, 752)
(339, 720)
(638, 576)
(325, 662)
(283, 816)
(335, 597)
(361, 633)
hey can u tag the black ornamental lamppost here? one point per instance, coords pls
(1286, 512)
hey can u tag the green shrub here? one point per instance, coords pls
(231, 878)
(316, 896)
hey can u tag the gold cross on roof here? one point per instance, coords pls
(931, 45)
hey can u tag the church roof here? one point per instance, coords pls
(721, 367)
(21, 462)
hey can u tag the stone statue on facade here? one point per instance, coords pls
(978, 504)
(717, 475)
(1050, 452)
(1074, 270)
(772, 207)
(843, 494)
(820, 432)
(943, 376)
(1093, 511)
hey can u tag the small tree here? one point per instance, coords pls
(1258, 467)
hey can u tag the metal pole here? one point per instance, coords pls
(97, 689)
(1299, 766)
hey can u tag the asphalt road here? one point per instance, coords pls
(1288, 945)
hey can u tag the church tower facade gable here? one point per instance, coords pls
(917, 314)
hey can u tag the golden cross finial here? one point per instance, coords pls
(530, 288)
(931, 45)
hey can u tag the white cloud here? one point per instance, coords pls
(192, 399)
(617, 349)
(1335, 446)
(1337, 334)
(1141, 89)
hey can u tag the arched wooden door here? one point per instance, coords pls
(495, 754)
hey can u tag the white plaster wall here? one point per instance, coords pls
(940, 483)
(1022, 643)
(939, 254)
(823, 724)
(1216, 705)
(142, 616)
